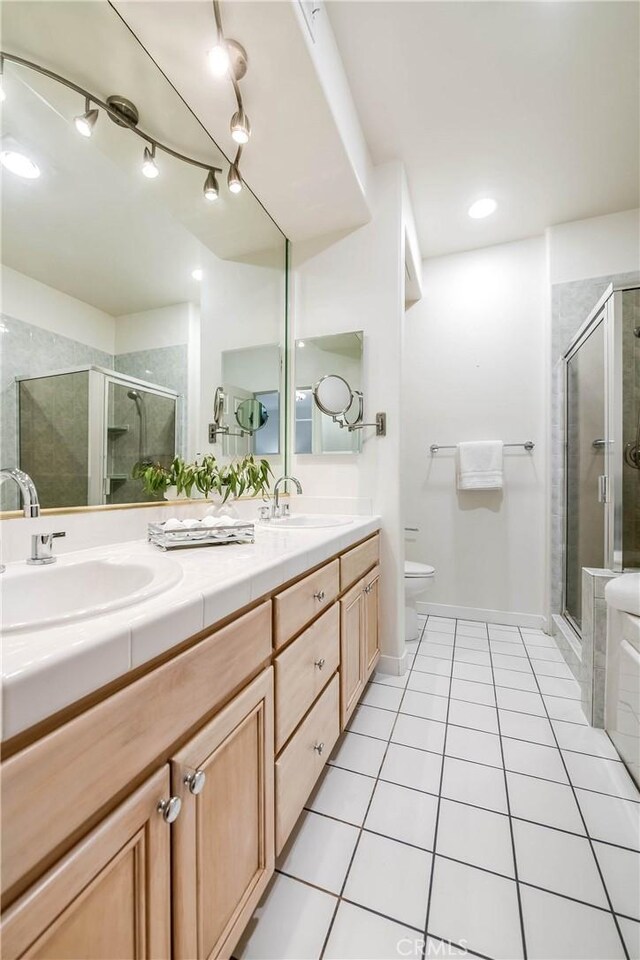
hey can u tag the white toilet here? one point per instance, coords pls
(417, 577)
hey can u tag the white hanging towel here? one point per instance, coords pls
(480, 465)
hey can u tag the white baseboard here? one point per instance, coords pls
(396, 666)
(485, 616)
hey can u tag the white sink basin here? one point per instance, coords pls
(306, 521)
(37, 597)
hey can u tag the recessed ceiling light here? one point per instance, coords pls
(197, 274)
(19, 164)
(482, 208)
(301, 343)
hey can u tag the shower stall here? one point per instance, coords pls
(82, 431)
(602, 445)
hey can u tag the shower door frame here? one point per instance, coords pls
(602, 313)
(124, 380)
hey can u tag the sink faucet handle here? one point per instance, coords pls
(42, 547)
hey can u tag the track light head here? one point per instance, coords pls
(86, 121)
(240, 127)
(228, 56)
(211, 190)
(234, 180)
(149, 165)
(219, 58)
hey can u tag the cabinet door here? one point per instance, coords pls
(352, 652)
(108, 899)
(222, 842)
(371, 621)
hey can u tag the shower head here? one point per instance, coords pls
(134, 395)
(636, 332)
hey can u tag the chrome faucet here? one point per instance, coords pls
(30, 503)
(42, 548)
(276, 509)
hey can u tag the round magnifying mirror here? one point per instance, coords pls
(333, 395)
(218, 406)
(251, 415)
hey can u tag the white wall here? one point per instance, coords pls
(595, 247)
(357, 283)
(162, 327)
(475, 369)
(26, 299)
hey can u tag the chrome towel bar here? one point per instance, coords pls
(528, 446)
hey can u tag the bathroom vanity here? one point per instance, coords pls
(144, 820)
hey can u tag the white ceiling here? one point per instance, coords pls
(536, 104)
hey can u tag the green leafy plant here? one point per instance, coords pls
(233, 479)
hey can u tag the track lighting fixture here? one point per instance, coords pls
(85, 123)
(234, 180)
(219, 58)
(149, 165)
(211, 189)
(125, 114)
(240, 127)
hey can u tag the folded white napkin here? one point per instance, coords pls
(480, 465)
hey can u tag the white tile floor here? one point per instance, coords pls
(469, 810)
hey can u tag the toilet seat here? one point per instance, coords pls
(414, 570)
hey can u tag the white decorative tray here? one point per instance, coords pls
(197, 534)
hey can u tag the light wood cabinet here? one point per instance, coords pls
(359, 641)
(303, 670)
(302, 760)
(223, 842)
(91, 868)
(372, 620)
(352, 620)
(108, 899)
(297, 606)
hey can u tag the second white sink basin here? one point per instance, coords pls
(307, 521)
(42, 596)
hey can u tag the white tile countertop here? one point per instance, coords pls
(47, 669)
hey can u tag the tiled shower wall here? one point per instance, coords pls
(571, 304)
(29, 350)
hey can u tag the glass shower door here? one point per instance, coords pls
(586, 456)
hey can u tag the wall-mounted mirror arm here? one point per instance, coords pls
(334, 397)
(251, 416)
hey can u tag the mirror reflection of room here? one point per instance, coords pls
(121, 292)
(337, 354)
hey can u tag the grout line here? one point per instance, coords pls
(511, 833)
(361, 828)
(590, 841)
(437, 823)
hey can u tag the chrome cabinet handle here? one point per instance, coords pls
(170, 809)
(368, 588)
(319, 663)
(319, 596)
(195, 782)
(318, 747)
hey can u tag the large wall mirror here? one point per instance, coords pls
(126, 300)
(317, 357)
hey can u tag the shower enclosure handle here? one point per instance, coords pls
(597, 444)
(603, 489)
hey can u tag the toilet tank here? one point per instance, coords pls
(622, 709)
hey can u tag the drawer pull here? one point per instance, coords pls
(368, 588)
(319, 747)
(319, 595)
(170, 809)
(195, 781)
(319, 663)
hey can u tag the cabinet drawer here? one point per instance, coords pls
(297, 606)
(303, 669)
(300, 763)
(355, 563)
